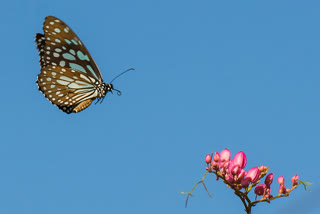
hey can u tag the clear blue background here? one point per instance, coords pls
(210, 75)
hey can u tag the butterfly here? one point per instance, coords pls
(69, 77)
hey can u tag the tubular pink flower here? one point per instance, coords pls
(241, 175)
(259, 190)
(245, 182)
(281, 180)
(294, 180)
(253, 174)
(282, 189)
(226, 164)
(269, 179)
(230, 166)
(230, 179)
(240, 159)
(216, 157)
(208, 158)
(225, 155)
(214, 165)
(235, 170)
(222, 171)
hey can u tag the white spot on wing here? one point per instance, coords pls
(92, 79)
(62, 82)
(84, 77)
(62, 63)
(66, 78)
(72, 52)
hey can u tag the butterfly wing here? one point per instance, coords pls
(69, 77)
(60, 46)
(70, 90)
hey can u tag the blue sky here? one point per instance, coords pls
(209, 75)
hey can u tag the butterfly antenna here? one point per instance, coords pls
(118, 92)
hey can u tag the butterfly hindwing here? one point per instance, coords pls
(63, 48)
(70, 90)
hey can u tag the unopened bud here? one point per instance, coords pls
(216, 157)
(294, 180)
(269, 179)
(208, 159)
(253, 174)
(259, 190)
(281, 180)
(225, 155)
(240, 159)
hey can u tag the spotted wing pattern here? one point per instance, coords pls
(61, 47)
(69, 77)
(69, 89)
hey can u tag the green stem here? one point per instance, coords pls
(199, 182)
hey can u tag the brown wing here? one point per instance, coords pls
(60, 46)
(70, 90)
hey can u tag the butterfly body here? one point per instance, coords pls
(69, 77)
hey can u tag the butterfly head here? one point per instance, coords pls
(109, 87)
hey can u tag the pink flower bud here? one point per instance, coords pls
(230, 167)
(241, 174)
(269, 179)
(240, 159)
(226, 164)
(230, 179)
(222, 171)
(263, 168)
(208, 159)
(282, 189)
(225, 155)
(214, 165)
(253, 174)
(294, 180)
(245, 182)
(235, 170)
(216, 157)
(268, 193)
(259, 190)
(281, 180)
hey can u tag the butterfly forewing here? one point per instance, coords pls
(41, 43)
(67, 88)
(64, 49)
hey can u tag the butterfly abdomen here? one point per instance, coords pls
(81, 106)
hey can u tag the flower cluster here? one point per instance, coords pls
(232, 172)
